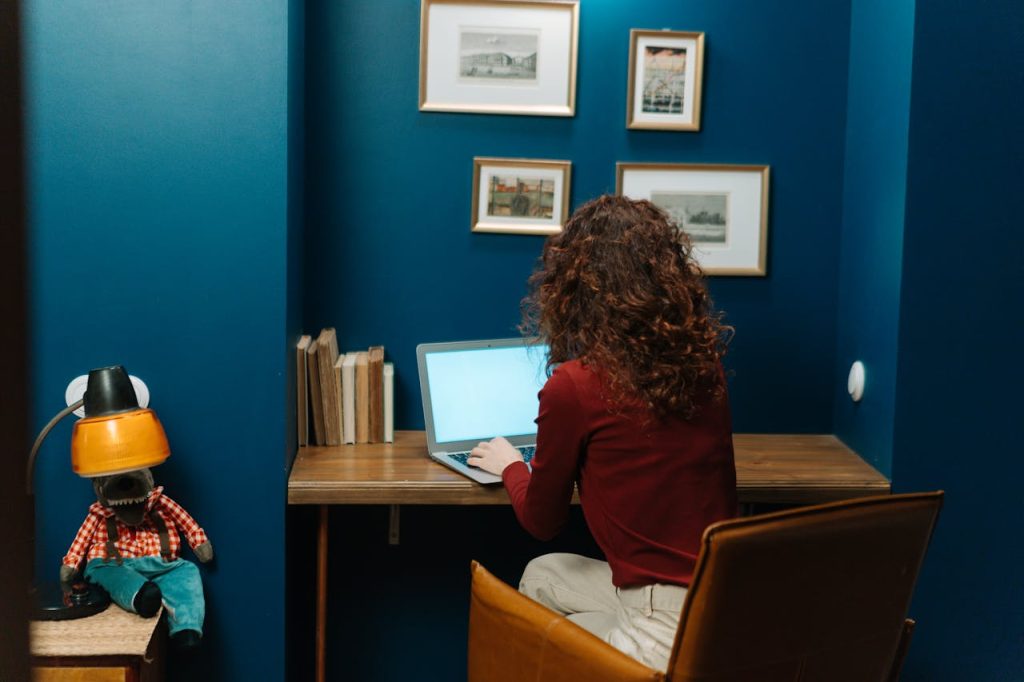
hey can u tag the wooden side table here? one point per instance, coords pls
(113, 646)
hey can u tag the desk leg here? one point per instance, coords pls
(321, 595)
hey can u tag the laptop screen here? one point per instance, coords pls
(481, 393)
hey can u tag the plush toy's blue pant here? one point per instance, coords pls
(178, 581)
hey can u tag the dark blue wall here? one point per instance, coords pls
(296, 198)
(390, 258)
(158, 197)
(958, 405)
(293, 324)
(871, 249)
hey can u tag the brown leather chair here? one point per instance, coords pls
(817, 593)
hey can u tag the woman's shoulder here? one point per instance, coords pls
(565, 394)
(572, 372)
(572, 381)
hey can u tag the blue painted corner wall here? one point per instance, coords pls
(390, 258)
(958, 399)
(158, 176)
(871, 234)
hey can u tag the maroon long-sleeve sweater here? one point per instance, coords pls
(648, 489)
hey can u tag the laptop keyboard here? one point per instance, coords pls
(526, 451)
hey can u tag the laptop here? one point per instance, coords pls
(477, 390)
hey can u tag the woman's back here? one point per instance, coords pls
(648, 488)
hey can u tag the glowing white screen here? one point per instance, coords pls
(487, 392)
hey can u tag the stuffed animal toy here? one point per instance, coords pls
(131, 541)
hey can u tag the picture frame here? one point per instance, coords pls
(499, 56)
(520, 196)
(666, 78)
(722, 207)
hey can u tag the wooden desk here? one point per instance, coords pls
(785, 469)
(794, 469)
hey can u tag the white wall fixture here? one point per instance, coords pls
(855, 382)
(76, 389)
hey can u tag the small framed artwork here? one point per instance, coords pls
(499, 56)
(665, 78)
(520, 196)
(723, 209)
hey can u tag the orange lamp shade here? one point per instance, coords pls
(115, 443)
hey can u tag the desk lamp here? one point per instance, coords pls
(115, 436)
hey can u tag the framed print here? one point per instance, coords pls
(665, 78)
(520, 196)
(499, 56)
(723, 209)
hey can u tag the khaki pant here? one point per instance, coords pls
(639, 621)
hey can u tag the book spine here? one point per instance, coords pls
(375, 362)
(316, 400)
(348, 392)
(389, 402)
(338, 370)
(362, 399)
(301, 393)
(328, 352)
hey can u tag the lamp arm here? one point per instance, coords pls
(42, 436)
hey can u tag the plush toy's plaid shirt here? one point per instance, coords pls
(135, 541)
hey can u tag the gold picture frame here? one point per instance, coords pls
(499, 56)
(722, 207)
(666, 82)
(520, 196)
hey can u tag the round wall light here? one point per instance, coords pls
(855, 382)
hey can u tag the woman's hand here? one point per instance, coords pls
(494, 456)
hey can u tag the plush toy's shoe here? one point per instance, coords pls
(185, 640)
(147, 600)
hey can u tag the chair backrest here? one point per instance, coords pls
(513, 638)
(817, 593)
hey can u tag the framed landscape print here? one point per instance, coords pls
(520, 196)
(499, 56)
(665, 78)
(723, 209)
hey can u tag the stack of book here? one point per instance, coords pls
(347, 397)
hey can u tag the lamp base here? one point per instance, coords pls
(85, 600)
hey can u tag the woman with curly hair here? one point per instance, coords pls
(635, 414)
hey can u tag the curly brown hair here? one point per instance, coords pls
(618, 290)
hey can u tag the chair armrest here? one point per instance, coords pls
(513, 638)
